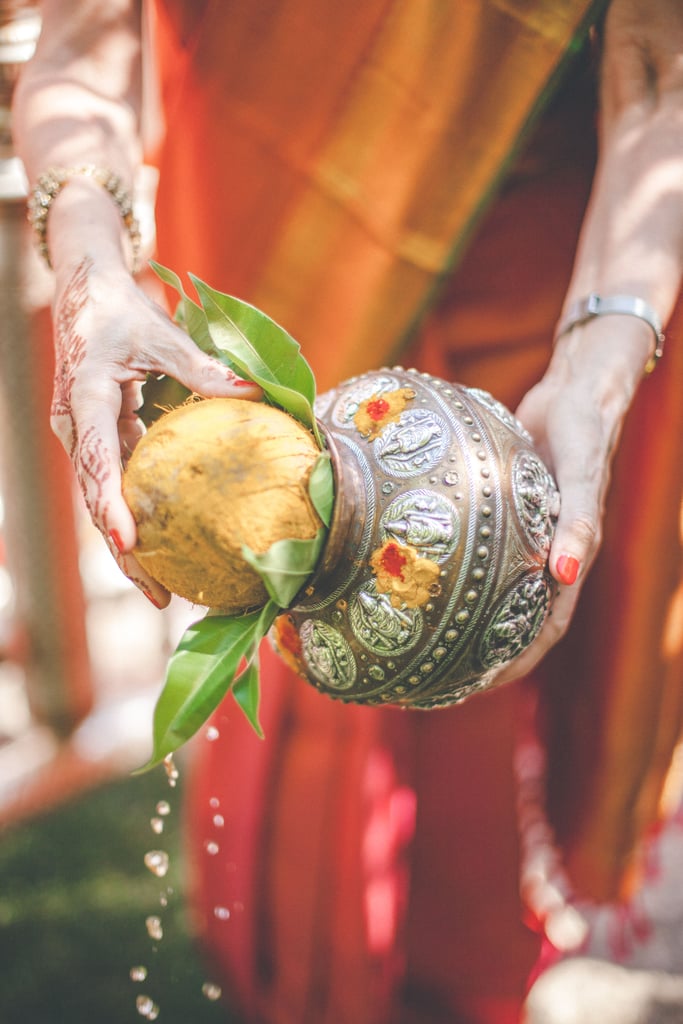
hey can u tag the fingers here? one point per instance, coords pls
(205, 375)
(130, 426)
(95, 450)
(582, 475)
(131, 568)
(575, 440)
(553, 630)
(99, 474)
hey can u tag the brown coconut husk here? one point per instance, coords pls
(209, 477)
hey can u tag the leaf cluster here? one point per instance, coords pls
(220, 653)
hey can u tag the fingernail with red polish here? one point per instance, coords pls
(150, 597)
(244, 384)
(567, 569)
(116, 540)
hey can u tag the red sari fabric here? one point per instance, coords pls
(362, 864)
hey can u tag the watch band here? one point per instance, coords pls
(594, 305)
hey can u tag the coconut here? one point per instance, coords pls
(212, 476)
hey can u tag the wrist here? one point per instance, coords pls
(604, 358)
(593, 305)
(84, 211)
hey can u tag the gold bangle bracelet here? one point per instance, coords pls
(50, 184)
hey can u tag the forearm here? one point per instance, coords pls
(631, 245)
(632, 238)
(77, 104)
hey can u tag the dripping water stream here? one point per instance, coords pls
(157, 861)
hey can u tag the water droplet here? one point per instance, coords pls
(138, 973)
(218, 820)
(211, 847)
(153, 926)
(157, 862)
(211, 991)
(212, 734)
(157, 825)
(214, 802)
(163, 808)
(222, 913)
(163, 900)
(172, 772)
(146, 1007)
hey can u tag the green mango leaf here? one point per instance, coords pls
(199, 675)
(247, 693)
(286, 565)
(279, 354)
(321, 487)
(270, 357)
(189, 313)
(246, 689)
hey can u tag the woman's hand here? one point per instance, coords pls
(108, 336)
(575, 414)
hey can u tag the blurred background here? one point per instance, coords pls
(82, 659)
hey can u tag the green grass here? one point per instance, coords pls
(74, 895)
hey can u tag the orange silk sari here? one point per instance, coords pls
(329, 160)
(335, 164)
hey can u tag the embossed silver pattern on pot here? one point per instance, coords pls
(455, 477)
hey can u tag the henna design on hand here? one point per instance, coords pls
(93, 472)
(87, 453)
(69, 354)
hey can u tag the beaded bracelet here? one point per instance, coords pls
(50, 184)
(627, 305)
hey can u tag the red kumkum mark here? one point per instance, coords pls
(377, 408)
(393, 561)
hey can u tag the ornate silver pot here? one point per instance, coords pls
(434, 574)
